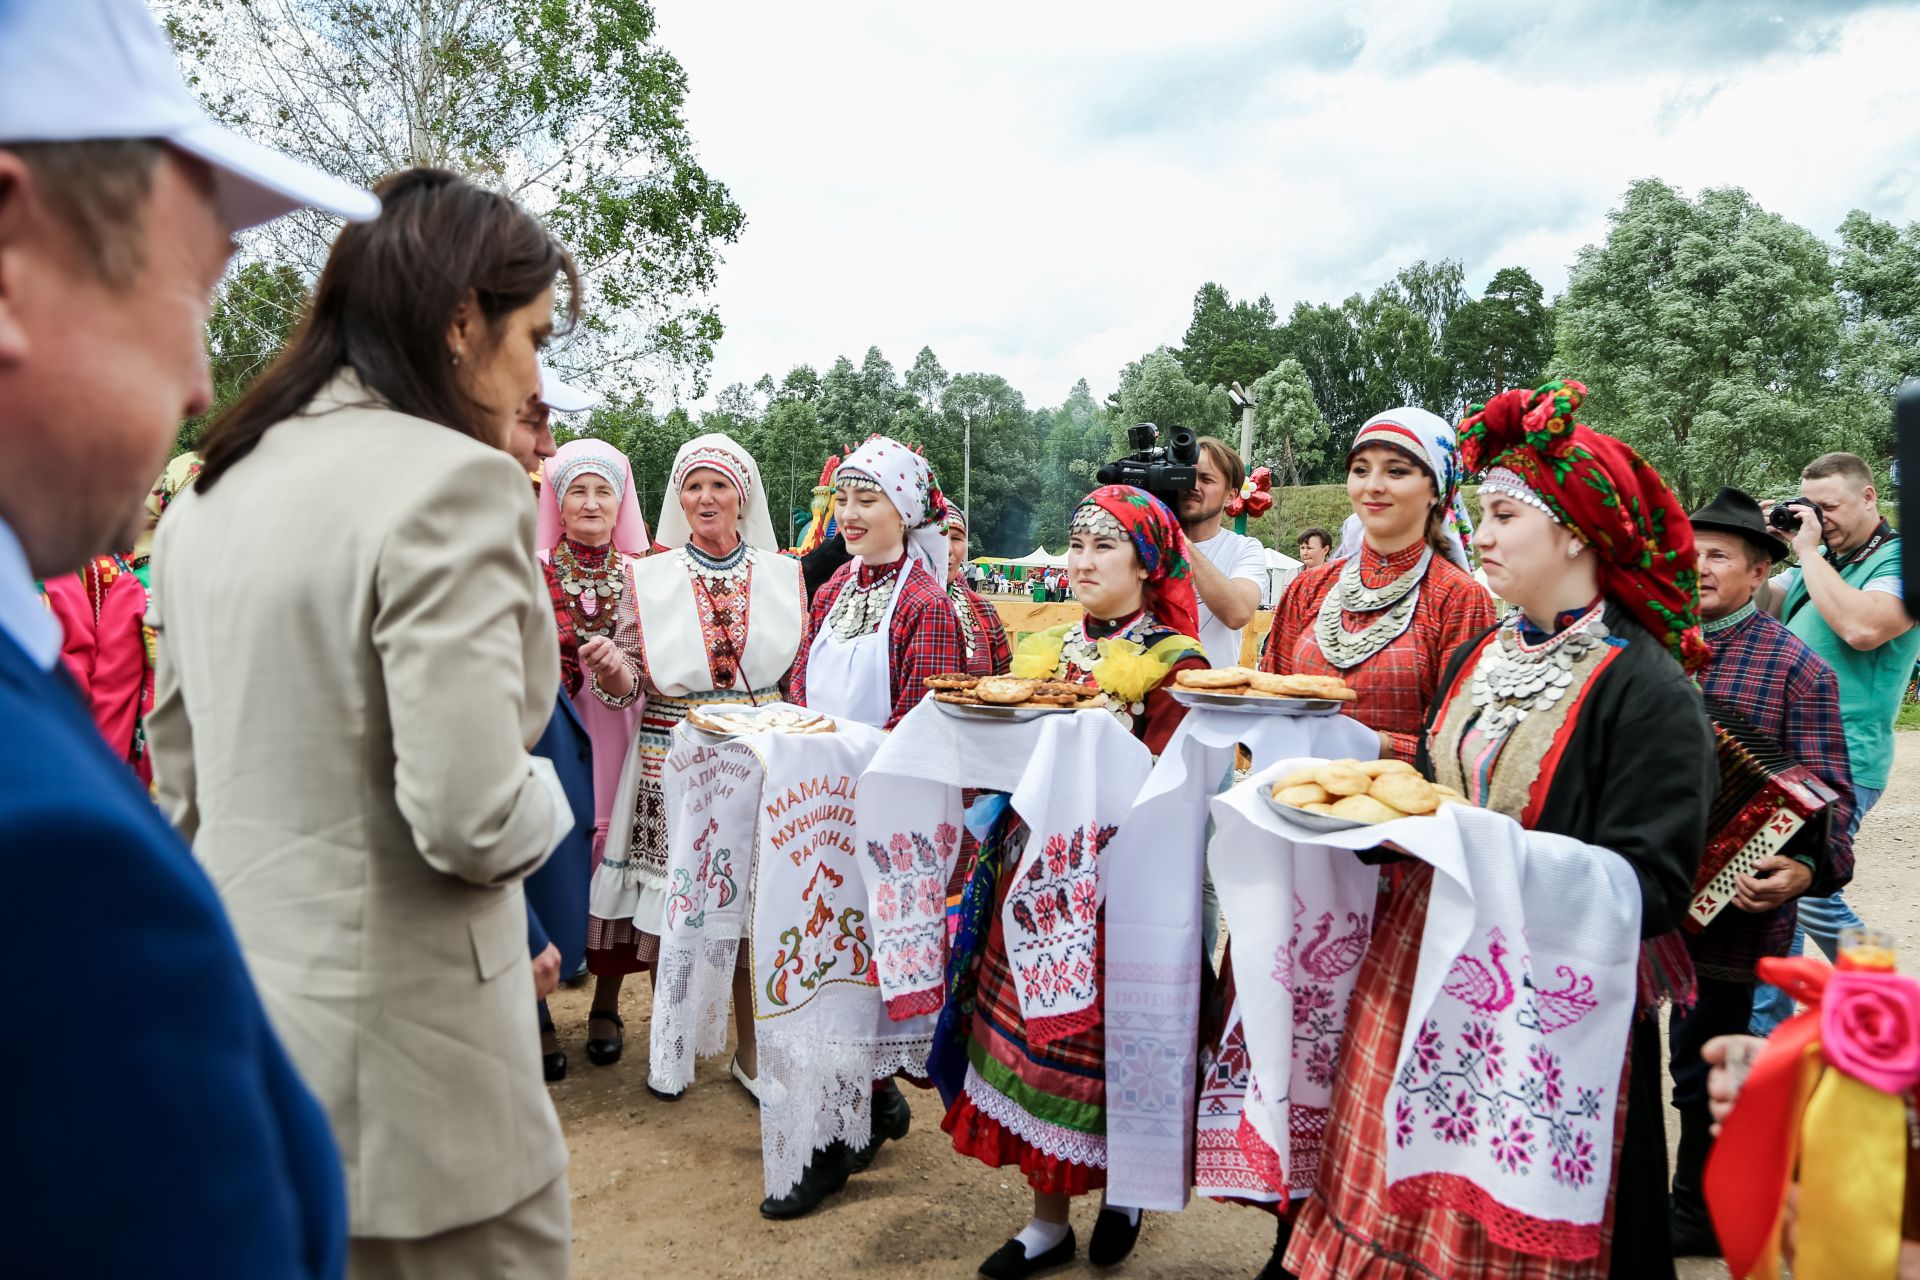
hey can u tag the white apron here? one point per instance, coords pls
(853, 679)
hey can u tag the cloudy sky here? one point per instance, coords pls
(1036, 189)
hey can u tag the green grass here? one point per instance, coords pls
(1909, 717)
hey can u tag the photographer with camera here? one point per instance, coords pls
(1845, 602)
(1195, 477)
(1227, 566)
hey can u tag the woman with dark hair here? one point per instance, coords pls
(1032, 1097)
(1575, 718)
(1386, 618)
(346, 746)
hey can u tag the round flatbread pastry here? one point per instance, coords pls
(1376, 768)
(1365, 809)
(952, 680)
(1306, 773)
(1052, 700)
(1340, 778)
(1058, 687)
(1217, 678)
(1331, 688)
(1004, 691)
(1092, 698)
(1326, 809)
(962, 697)
(1303, 795)
(1408, 792)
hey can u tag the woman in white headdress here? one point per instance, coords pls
(883, 623)
(722, 619)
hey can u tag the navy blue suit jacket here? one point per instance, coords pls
(557, 892)
(176, 1139)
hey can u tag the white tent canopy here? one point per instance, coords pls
(1039, 559)
(1280, 570)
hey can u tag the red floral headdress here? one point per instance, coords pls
(1607, 494)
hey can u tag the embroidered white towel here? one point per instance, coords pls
(1153, 875)
(1505, 1094)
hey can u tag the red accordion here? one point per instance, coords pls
(1768, 803)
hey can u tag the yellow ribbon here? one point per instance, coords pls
(1853, 1174)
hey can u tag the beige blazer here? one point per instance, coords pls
(356, 648)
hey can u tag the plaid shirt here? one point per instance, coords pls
(923, 640)
(1396, 686)
(1789, 693)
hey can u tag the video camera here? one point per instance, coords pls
(1165, 472)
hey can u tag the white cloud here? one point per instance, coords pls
(1037, 189)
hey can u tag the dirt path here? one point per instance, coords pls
(672, 1190)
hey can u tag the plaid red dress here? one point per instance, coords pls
(1397, 684)
(922, 640)
(1345, 1231)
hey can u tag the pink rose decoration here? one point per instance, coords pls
(1870, 1028)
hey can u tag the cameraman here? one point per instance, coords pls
(1227, 566)
(1845, 602)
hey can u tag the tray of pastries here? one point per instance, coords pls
(1262, 693)
(1339, 795)
(1009, 697)
(741, 719)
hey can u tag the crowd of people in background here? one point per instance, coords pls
(357, 736)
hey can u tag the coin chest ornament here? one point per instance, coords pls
(1514, 679)
(1394, 605)
(593, 591)
(859, 610)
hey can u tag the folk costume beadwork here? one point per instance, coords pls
(982, 634)
(1035, 1095)
(879, 631)
(592, 593)
(1385, 624)
(1619, 756)
(712, 629)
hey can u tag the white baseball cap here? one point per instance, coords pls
(562, 397)
(94, 70)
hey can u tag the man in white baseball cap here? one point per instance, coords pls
(531, 439)
(164, 1133)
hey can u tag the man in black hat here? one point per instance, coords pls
(1789, 693)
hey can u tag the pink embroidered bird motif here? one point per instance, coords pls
(1560, 1009)
(1328, 960)
(1473, 983)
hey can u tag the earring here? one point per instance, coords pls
(1573, 550)
(456, 359)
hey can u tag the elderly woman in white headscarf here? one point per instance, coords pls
(883, 623)
(723, 619)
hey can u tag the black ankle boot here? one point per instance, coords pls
(825, 1174)
(892, 1117)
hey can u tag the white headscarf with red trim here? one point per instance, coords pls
(907, 480)
(721, 453)
(1430, 439)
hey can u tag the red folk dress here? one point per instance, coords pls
(1397, 684)
(1060, 1088)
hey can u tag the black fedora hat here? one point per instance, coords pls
(1732, 511)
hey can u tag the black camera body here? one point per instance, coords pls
(1781, 517)
(1166, 471)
